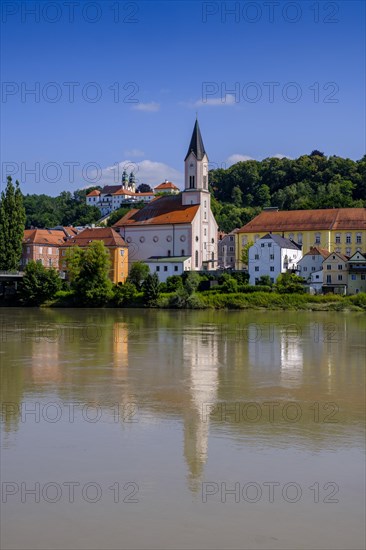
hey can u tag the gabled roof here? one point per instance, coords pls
(196, 146)
(166, 185)
(106, 234)
(110, 189)
(363, 256)
(339, 255)
(317, 251)
(167, 209)
(44, 236)
(307, 220)
(124, 192)
(93, 193)
(282, 242)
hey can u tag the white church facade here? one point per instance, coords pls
(180, 226)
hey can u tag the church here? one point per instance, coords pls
(176, 233)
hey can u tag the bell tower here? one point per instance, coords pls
(195, 170)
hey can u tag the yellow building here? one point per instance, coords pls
(117, 247)
(341, 230)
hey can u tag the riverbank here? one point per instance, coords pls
(236, 301)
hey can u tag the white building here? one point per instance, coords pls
(272, 255)
(177, 225)
(168, 266)
(310, 268)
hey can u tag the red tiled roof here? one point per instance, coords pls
(105, 234)
(317, 251)
(307, 220)
(124, 192)
(166, 185)
(93, 193)
(160, 211)
(44, 236)
(110, 189)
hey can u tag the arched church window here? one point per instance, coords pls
(196, 258)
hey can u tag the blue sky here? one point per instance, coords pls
(272, 78)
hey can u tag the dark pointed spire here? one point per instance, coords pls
(196, 146)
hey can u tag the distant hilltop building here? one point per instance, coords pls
(112, 197)
(176, 232)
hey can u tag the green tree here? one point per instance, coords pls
(39, 284)
(12, 224)
(289, 283)
(228, 283)
(151, 289)
(264, 280)
(173, 283)
(124, 294)
(237, 196)
(192, 281)
(138, 273)
(244, 257)
(88, 270)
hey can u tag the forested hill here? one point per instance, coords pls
(311, 181)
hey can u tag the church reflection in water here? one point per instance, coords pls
(201, 357)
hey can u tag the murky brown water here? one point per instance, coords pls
(134, 429)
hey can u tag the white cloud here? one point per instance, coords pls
(147, 171)
(151, 107)
(233, 159)
(226, 101)
(134, 153)
(280, 156)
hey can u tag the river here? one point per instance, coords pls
(182, 429)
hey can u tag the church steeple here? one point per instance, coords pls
(196, 145)
(196, 169)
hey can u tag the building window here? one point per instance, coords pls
(271, 256)
(231, 248)
(299, 238)
(305, 268)
(196, 258)
(358, 238)
(205, 204)
(256, 256)
(269, 245)
(348, 251)
(338, 238)
(271, 268)
(165, 268)
(244, 241)
(41, 250)
(63, 253)
(256, 238)
(291, 236)
(169, 253)
(329, 278)
(262, 245)
(256, 268)
(313, 268)
(317, 238)
(329, 266)
(348, 238)
(175, 268)
(213, 256)
(191, 182)
(122, 252)
(197, 239)
(182, 252)
(353, 277)
(205, 232)
(340, 277)
(340, 266)
(363, 277)
(158, 268)
(49, 262)
(28, 249)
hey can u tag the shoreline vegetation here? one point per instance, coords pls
(233, 301)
